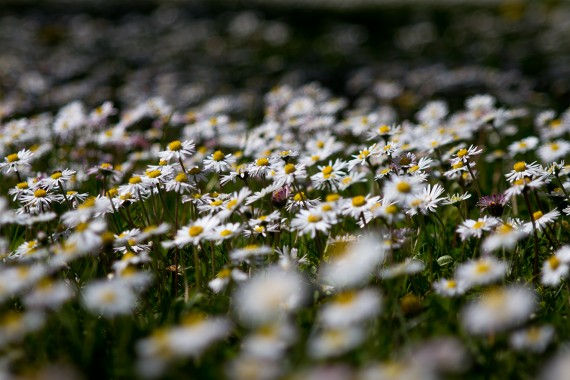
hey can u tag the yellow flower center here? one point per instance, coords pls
(224, 273)
(231, 204)
(358, 201)
(153, 173)
(457, 165)
(89, 202)
(327, 170)
(175, 145)
(181, 177)
(299, 197)
(505, 228)
(554, 262)
(554, 146)
(478, 225)
(363, 154)
(384, 129)
(345, 297)
(404, 187)
(462, 153)
(22, 185)
(332, 197)
(326, 207)
(290, 168)
(262, 162)
(482, 267)
(82, 227)
(195, 231)
(134, 180)
(391, 209)
(320, 144)
(56, 175)
(225, 233)
(314, 218)
(537, 215)
(218, 155)
(519, 166)
(217, 202)
(106, 166)
(40, 193)
(195, 170)
(451, 284)
(12, 157)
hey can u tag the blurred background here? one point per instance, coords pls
(57, 51)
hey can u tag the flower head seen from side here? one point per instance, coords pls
(16, 161)
(494, 204)
(482, 271)
(195, 232)
(470, 227)
(178, 150)
(310, 221)
(541, 220)
(499, 309)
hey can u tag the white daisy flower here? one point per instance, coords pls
(498, 309)
(475, 228)
(482, 271)
(533, 339)
(178, 150)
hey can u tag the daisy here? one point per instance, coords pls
(553, 151)
(498, 309)
(522, 170)
(219, 162)
(269, 296)
(57, 178)
(358, 205)
(351, 307)
(406, 267)
(455, 198)
(475, 228)
(505, 236)
(541, 220)
(401, 189)
(178, 150)
(350, 179)
(449, 287)
(533, 339)
(260, 167)
(310, 221)
(109, 298)
(16, 161)
(329, 176)
(179, 184)
(364, 155)
(554, 270)
(224, 277)
(520, 185)
(197, 231)
(270, 341)
(335, 342)
(482, 271)
(525, 145)
(40, 200)
(463, 155)
(288, 173)
(225, 232)
(250, 252)
(189, 339)
(48, 294)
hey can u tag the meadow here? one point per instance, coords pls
(249, 198)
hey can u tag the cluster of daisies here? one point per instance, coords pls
(310, 232)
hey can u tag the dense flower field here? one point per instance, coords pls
(288, 233)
